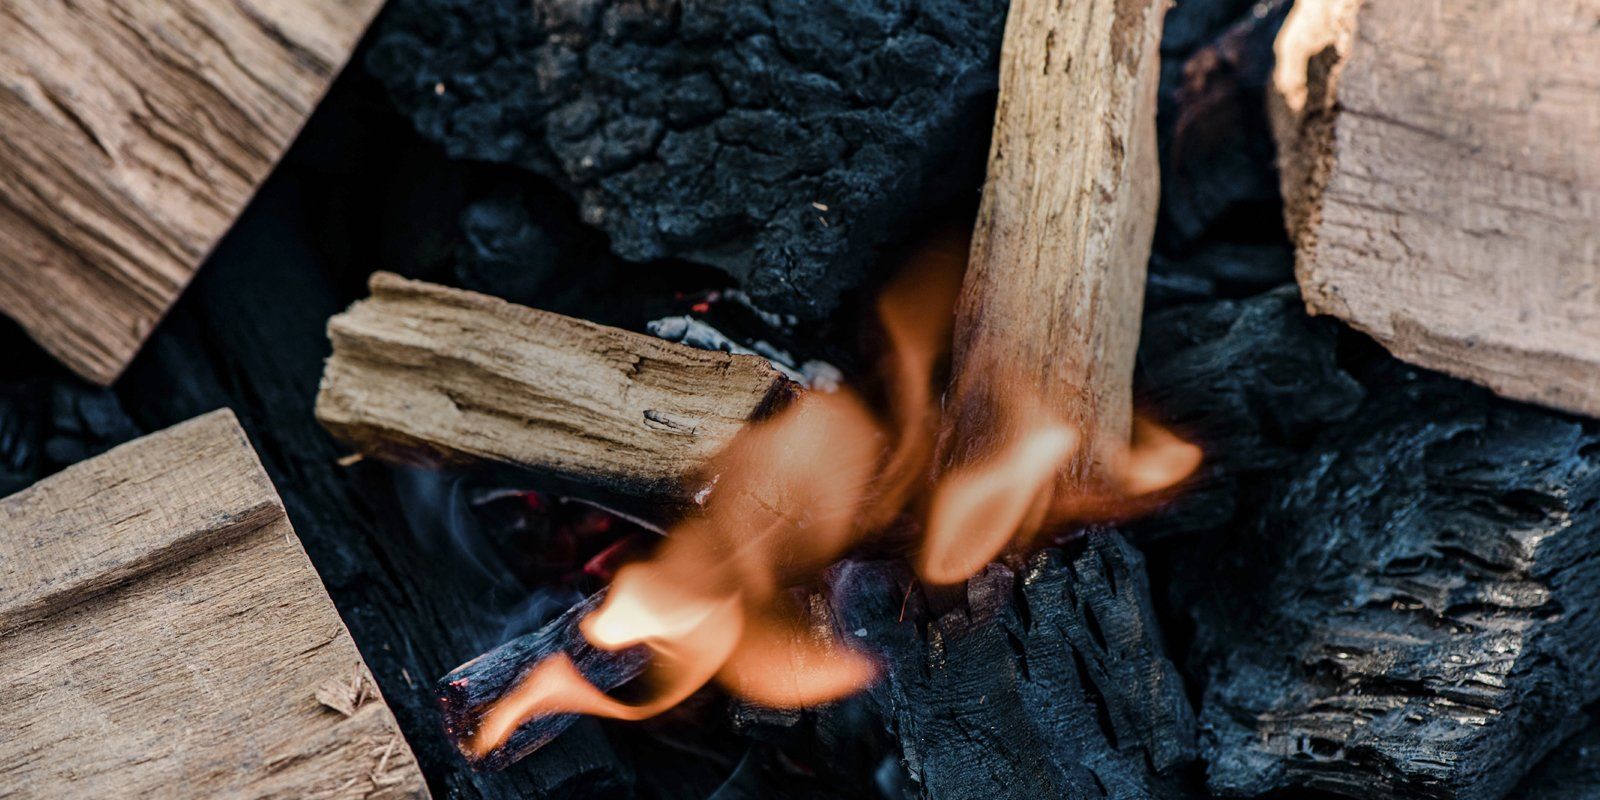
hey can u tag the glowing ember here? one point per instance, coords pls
(794, 493)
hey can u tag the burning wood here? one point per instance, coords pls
(791, 495)
(498, 674)
(1038, 440)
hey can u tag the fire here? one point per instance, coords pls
(790, 495)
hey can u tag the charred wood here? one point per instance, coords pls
(467, 690)
(1393, 604)
(1046, 681)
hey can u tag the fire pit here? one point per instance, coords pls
(692, 400)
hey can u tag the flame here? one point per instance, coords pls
(790, 495)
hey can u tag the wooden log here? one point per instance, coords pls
(1055, 284)
(166, 635)
(131, 134)
(426, 374)
(1441, 174)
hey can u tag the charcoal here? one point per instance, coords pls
(1049, 681)
(1217, 154)
(1395, 604)
(50, 420)
(783, 142)
(1371, 535)
(1252, 382)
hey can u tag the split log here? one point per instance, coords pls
(1056, 278)
(426, 374)
(1441, 174)
(138, 657)
(131, 135)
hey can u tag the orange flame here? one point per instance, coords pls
(796, 492)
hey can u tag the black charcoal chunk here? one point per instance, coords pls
(1252, 382)
(1048, 682)
(783, 142)
(1404, 608)
(49, 422)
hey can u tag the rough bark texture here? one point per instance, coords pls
(1055, 285)
(1399, 605)
(422, 373)
(132, 133)
(165, 634)
(1442, 176)
(784, 142)
(1046, 682)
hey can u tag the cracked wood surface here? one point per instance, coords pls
(421, 373)
(1441, 173)
(162, 633)
(132, 132)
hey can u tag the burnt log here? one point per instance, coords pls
(783, 142)
(1394, 599)
(1049, 680)
(469, 688)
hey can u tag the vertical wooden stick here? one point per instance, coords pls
(1054, 291)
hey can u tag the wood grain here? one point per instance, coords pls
(422, 373)
(1054, 289)
(132, 132)
(1441, 172)
(162, 633)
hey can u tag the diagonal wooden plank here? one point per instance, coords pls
(163, 633)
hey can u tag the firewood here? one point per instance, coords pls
(1055, 283)
(132, 133)
(467, 690)
(426, 374)
(165, 635)
(1441, 171)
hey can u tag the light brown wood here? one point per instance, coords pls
(1441, 172)
(1054, 291)
(425, 374)
(162, 634)
(132, 132)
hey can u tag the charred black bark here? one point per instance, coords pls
(1048, 682)
(1399, 600)
(784, 142)
(467, 691)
